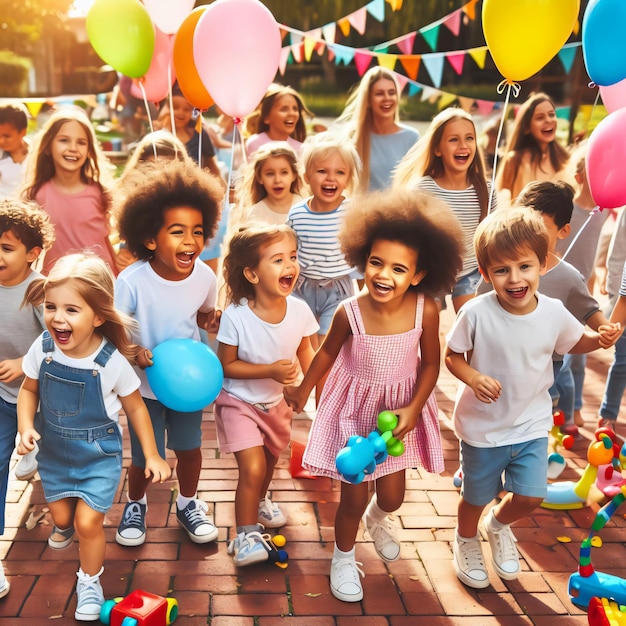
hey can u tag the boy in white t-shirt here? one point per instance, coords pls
(500, 347)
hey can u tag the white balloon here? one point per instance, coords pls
(168, 15)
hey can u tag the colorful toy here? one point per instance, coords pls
(139, 608)
(361, 455)
(588, 583)
(604, 612)
(556, 462)
(274, 546)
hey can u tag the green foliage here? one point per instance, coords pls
(13, 74)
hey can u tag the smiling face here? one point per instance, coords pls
(10, 138)
(70, 147)
(390, 270)
(276, 272)
(283, 117)
(177, 244)
(15, 259)
(276, 176)
(183, 112)
(71, 321)
(515, 281)
(457, 147)
(328, 179)
(384, 98)
(543, 123)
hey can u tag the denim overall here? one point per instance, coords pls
(80, 451)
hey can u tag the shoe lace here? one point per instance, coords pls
(89, 590)
(506, 545)
(472, 555)
(195, 515)
(383, 533)
(132, 516)
(348, 570)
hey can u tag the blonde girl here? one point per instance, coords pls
(448, 163)
(77, 372)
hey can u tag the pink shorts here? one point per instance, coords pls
(241, 426)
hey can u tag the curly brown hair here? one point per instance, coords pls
(28, 222)
(414, 218)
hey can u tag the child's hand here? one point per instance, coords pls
(10, 370)
(293, 397)
(406, 422)
(144, 358)
(609, 334)
(486, 389)
(209, 320)
(158, 467)
(284, 371)
(27, 441)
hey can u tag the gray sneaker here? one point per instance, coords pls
(4, 583)
(26, 467)
(193, 518)
(132, 528)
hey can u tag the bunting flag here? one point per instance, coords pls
(358, 19)
(453, 22)
(406, 43)
(329, 31)
(285, 53)
(311, 40)
(362, 60)
(456, 60)
(387, 60)
(470, 9)
(411, 64)
(414, 89)
(344, 26)
(376, 9)
(479, 55)
(566, 56)
(430, 35)
(434, 66)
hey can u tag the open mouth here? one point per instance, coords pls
(329, 190)
(382, 289)
(185, 259)
(62, 336)
(461, 158)
(286, 282)
(518, 293)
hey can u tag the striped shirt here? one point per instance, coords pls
(319, 253)
(465, 205)
(622, 287)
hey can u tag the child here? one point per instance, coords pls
(500, 347)
(78, 369)
(25, 231)
(373, 123)
(280, 116)
(67, 175)
(533, 152)
(13, 148)
(261, 334)
(448, 163)
(618, 315)
(383, 348)
(331, 167)
(167, 213)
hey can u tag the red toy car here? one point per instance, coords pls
(139, 608)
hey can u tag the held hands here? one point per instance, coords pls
(158, 467)
(295, 398)
(27, 441)
(609, 334)
(284, 371)
(485, 388)
(10, 370)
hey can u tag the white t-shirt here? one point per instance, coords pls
(261, 342)
(117, 378)
(164, 309)
(517, 351)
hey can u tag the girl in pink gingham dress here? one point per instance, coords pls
(383, 352)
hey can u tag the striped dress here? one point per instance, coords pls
(373, 373)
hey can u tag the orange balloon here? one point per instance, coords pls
(188, 79)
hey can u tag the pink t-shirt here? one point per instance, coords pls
(80, 223)
(256, 141)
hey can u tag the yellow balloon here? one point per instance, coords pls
(523, 35)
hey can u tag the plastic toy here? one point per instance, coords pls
(604, 612)
(139, 608)
(361, 455)
(588, 583)
(274, 546)
(556, 462)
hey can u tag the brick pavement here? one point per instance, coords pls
(420, 586)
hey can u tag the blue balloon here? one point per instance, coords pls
(186, 375)
(604, 45)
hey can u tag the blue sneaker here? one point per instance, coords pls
(249, 548)
(90, 597)
(193, 518)
(132, 528)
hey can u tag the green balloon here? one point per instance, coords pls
(122, 34)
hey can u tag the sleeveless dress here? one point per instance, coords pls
(373, 373)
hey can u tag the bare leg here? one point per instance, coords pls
(349, 513)
(137, 482)
(90, 530)
(270, 464)
(514, 507)
(468, 518)
(390, 491)
(62, 512)
(188, 471)
(252, 465)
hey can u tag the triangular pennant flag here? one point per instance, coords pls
(576, 28)
(331, 54)
(343, 54)
(320, 46)
(376, 9)
(428, 93)
(406, 43)
(362, 62)
(431, 35)
(358, 19)
(344, 25)
(563, 113)
(479, 55)
(329, 31)
(296, 38)
(453, 22)
(298, 52)
(446, 100)
(470, 9)
(310, 41)
(485, 107)
(402, 80)
(34, 106)
(434, 64)
(456, 60)
(567, 56)
(466, 103)
(394, 4)
(283, 33)
(414, 89)
(381, 47)
(284, 57)
(387, 60)
(411, 64)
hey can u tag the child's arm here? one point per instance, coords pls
(305, 354)
(209, 320)
(10, 370)
(485, 388)
(283, 371)
(27, 403)
(609, 331)
(337, 335)
(609, 334)
(137, 413)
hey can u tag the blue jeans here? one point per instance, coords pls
(8, 430)
(615, 382)
(569, 383)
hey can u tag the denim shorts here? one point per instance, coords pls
(467, 285)
(184, 431)
(525, 468)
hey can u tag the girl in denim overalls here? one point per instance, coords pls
(78, 373)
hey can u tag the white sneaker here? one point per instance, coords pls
(270, 514)
(4, 583)
(469, 563)
(503, 551)
(249, 548)
(26, 467)
(385, 537)
(345, 581)
(90, 597)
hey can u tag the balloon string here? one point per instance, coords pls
(238, 133)
(170, 96)
(145, 102)
(580, 230)
(200, 128)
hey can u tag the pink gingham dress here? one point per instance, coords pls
(373, 373)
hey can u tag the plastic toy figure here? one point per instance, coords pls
(139, 608)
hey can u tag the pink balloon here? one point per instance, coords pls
(605, 161)
(168, 15)
(236, 48)
(155, 82)
(614, 96)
